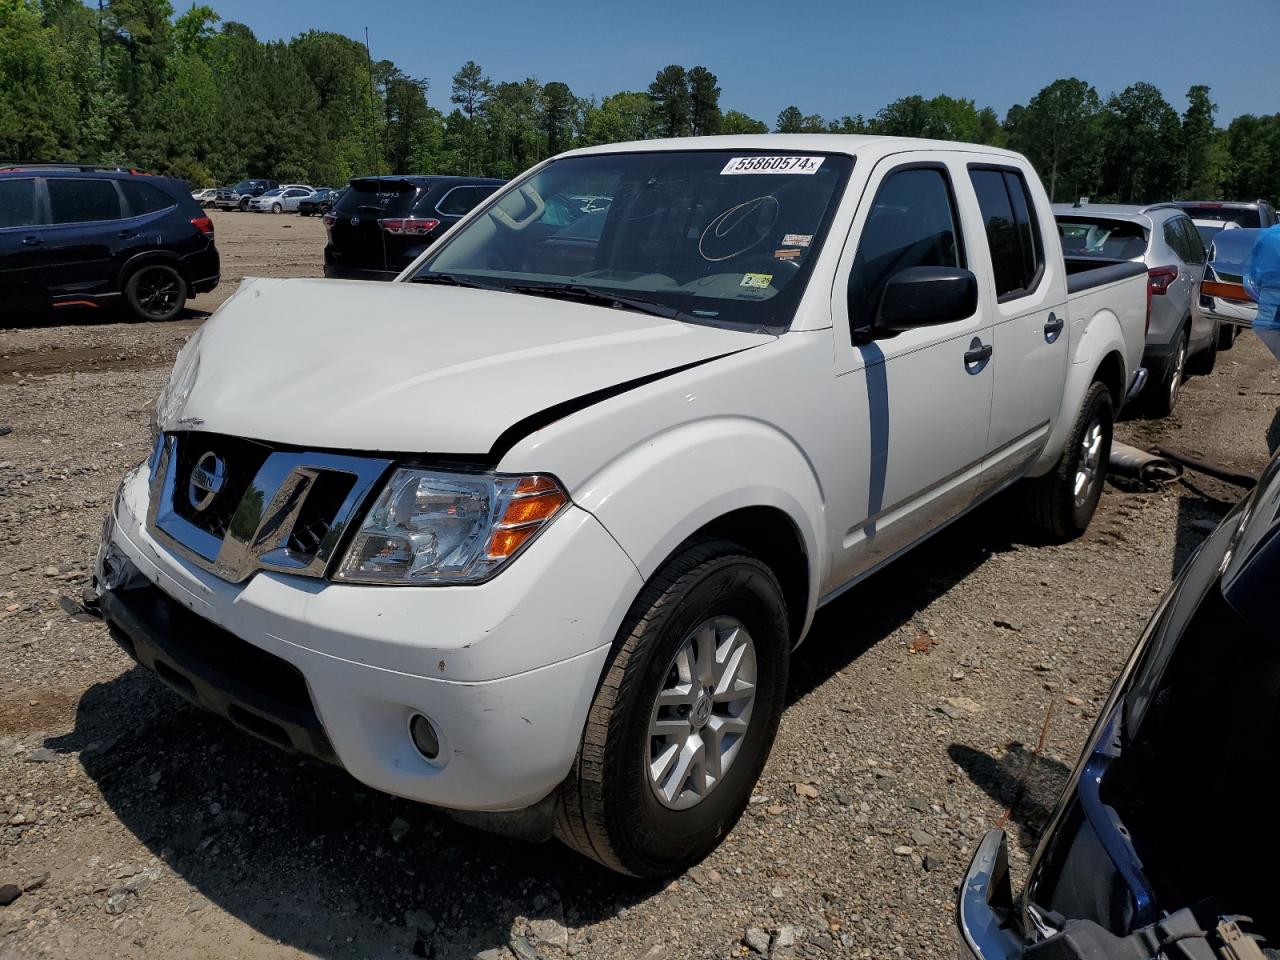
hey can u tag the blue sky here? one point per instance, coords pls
(825, 56)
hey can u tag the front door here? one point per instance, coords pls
(926, 393)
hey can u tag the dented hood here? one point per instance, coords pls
(412, 369)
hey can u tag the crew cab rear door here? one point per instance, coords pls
(1032, 339)
(920, 398)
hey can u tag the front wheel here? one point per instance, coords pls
(276, 208)
(684, 718)
(1059, 505)
(244, 204)
(1202, 363)
(1163, 396)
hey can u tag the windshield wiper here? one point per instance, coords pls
(581, 294)
(452, 280)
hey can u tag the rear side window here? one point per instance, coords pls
(82, 201)
(142, 198)
(17, 203)
(371, 197)
(1013, 235)
(458, 201)
(1102, 238)
(912, 224)
(1191, 241)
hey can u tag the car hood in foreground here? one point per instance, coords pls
(405, 368)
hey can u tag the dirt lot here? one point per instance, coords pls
(138, 826)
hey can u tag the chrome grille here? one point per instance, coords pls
(268, 510)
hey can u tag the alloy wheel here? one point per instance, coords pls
(1089, 467)
(702, 713)
(158, 292)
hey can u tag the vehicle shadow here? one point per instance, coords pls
(87, 317)
(305, 854)
(851, 624)
(1199, 513)
(1024, 783)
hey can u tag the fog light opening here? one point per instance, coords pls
(424, 737)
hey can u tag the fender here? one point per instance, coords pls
(1101, 337)
(151, 256)
(716, 466)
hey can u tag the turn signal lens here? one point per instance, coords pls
(504, 543)
(532, 509)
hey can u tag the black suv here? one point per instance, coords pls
(71, 238)
(238, 197)
(381, 224)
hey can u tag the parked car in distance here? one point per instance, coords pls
(283, 199)
(238, 197)
(545, 521)
(1259, 213)
(320, 202)
(1222, 293)
(1208, 229)
(205, 197)
(1132, 862)
(382, 224)
(1161, 236)
(87, 240)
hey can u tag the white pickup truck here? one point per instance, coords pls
(531, 533)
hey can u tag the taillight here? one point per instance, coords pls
(203, 224)
(1159, 278)
(409, 225)
(1146, 328)
(329, 219)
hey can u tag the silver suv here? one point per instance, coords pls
(1180, 339)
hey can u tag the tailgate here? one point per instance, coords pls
(356, 239)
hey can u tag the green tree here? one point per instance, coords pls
(1059, 130)
(1253, 144)
(735, 121)
(559, 107)
(619, 118)
(471, 88)
(1198, 134)
(672, 101)
(37, 104)
(791, 120)
(1140, 141)
(704, 102)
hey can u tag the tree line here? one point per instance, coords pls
(131, 82)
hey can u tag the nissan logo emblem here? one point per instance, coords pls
(207, 478)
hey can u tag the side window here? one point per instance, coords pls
(457, 201)
(1176, 241)
(912, 224)
(142, 198)
(484, 193)
(1194, 242)
(82, 201)
(297, 192)
(17, 203)
(1013, 235)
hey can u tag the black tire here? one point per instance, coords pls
(155, 293)
(1202, 363)
(244, 204)
(1162, 396)
(1227, 333)
(1050, 505)
(276, 208)
(608, 810)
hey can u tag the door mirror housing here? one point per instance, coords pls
(926, 297)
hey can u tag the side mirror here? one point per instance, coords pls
(926, 296)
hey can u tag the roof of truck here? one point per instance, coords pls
(789, 143)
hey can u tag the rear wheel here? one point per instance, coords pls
(685, 716)
(1059, 505)
(155, 292)
(1163, 397)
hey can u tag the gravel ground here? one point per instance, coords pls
(134, 825)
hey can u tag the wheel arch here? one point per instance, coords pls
(1111, 373)
(159, 255)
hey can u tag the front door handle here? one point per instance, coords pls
(127, 234)
(976, 357)
(1053, 328)
(32, 241)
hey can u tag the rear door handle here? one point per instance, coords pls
(976, 357)
(1052, 328)
(32, 241)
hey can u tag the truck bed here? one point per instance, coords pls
(1086, 273)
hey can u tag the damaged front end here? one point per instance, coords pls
(1165, 845)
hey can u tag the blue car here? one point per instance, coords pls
(1165, 842)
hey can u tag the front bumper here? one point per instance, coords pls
(505, 670)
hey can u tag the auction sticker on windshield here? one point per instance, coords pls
(740, 165)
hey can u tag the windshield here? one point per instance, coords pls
(394, 197)
(713, 236)
(1207, 232)
(1108, 239)
(243, 186)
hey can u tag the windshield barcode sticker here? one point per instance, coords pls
(741, 165)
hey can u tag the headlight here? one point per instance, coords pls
(431, 527)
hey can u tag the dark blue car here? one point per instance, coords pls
(1165, 843)
(76, 238)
